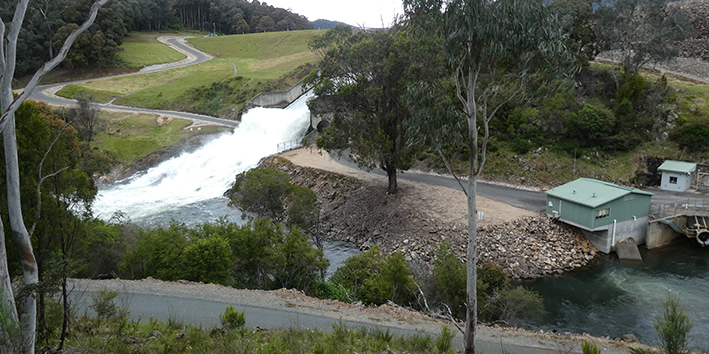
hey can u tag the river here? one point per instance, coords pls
(611, 298)
(189, 188)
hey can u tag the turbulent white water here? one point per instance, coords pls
(192, 182)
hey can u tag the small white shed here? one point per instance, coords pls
(677, 176)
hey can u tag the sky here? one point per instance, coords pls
(360, 13)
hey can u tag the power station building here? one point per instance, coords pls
(605, 212)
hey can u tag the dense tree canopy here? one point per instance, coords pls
(364, 76)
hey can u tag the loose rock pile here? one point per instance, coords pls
(362, 214)
(698, 13)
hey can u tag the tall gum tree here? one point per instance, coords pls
(496, 51)
(9, 103)
(363, 77)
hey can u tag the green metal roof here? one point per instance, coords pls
(592, 193)
(677, 166)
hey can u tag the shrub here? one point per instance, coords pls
(232, 318)
(373, 279)
(673, 327)
(102, 303)
(449, 275)
(589, 348)
(691, 136)
(207, 260)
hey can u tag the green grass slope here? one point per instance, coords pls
(264, 62)
(142, 49)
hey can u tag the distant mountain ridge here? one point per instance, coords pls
(327, 24)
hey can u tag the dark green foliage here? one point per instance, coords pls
(691, 136)
(673, 327)
(207, 260)
(590, 125)
(261, 191)
(633, 88)
(326, 289)
(450, 280)
(373, 278)
(362, 78)
(157, 254)
(232, 318)
(268, 193)
(260, 254)
(498, 300)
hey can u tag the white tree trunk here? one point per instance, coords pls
(9, 104)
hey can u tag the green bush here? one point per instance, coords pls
(691, 136)
(589, 348)
(325, 289)
(232, 318)
(673, 327)
(102, 303)
(373, 279)
(207, 260)
(633, 88)
(449, 275)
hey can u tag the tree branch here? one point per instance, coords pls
(450, 169)
(48, 66)
(42, 178)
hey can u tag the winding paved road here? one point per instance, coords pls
(46, 94)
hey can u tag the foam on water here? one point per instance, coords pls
(205, 174)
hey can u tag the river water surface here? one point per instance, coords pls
(611, 298)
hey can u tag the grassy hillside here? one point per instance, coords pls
(142, 49)
(261, 55)
(133, 136)
(264, 62)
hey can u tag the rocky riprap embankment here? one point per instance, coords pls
(362, 214)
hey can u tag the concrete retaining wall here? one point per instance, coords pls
(604, 240)
(660, 235)
(278, 99)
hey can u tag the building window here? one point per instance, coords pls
(603, 213)
(673, 180)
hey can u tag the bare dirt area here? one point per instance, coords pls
(444, 204)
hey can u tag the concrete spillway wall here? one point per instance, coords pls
(278, 99)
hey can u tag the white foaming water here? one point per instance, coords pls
(208, 172)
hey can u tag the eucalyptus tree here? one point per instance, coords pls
(364, 76)
(10, 103)
(495, 51)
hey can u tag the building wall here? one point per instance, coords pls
(630, 207)
(683, 181)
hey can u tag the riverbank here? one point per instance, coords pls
(355, 208)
